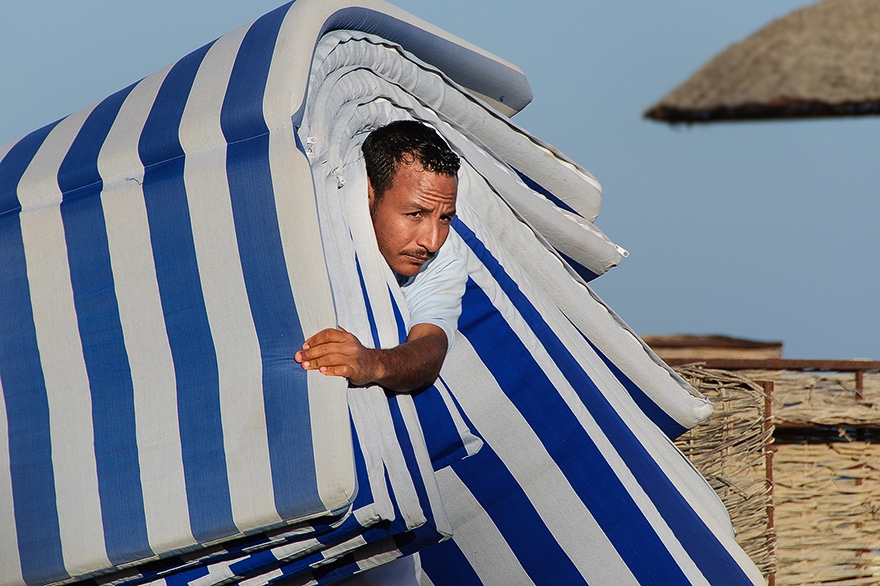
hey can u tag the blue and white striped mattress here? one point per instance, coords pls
(165, 252)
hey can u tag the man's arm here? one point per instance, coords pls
(413, 365)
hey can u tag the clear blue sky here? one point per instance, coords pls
(760, 230)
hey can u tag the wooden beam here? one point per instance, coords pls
(780, 364)
(857, 366)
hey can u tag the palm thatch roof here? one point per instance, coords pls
(821, 60)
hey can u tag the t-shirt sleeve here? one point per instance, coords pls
(434, 295)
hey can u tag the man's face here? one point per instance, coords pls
(411, 219)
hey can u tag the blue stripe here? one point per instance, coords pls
(445, 563)
(186, 320)
(585, 273)
(24, 388)
(406, 446)
(255, 564)
(329, 573)
(501, 496)
(442, 438)
(363, 490)
(402, 334)
(535, 186)
(78, 175)
(638, 538)
(242, 115)
(370, 317)
(285, 386)
(106, 359)
(185, 578)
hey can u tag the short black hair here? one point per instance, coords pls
(402, 143)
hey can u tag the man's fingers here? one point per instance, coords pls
(327, 336)
(335, 352)
(342, 370)
(323, 350)
(326, 358)
(315, 340)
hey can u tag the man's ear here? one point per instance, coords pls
(371, 196)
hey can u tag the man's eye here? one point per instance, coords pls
(415, 214)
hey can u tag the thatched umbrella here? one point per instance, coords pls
(821, 60)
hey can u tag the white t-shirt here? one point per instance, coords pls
(433, 295)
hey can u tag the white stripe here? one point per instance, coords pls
(8, 536)
(64, 369)
(239, 361)
(217, 573)
(307, 273)
(376, 555)
(342, 549)
(471, 442)
(306, 265)
(143, 324)
(297, 549)
(477, 536)
(288, 72)
(264, 578)
(371, 447)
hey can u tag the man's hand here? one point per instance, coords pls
(337, 352)
(413, 365)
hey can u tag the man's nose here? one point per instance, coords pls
(431, 237)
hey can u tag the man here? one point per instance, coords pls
(412, 187)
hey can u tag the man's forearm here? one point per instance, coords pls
(412, 365)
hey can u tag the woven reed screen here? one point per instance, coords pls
(826, 478)
(730, 450)
(826, 471)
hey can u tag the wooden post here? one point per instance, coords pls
(768, 470)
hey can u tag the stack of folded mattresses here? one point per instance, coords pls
(164, 254)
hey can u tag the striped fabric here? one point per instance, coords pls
(165, 252)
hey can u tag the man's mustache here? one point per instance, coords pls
(420, 253)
